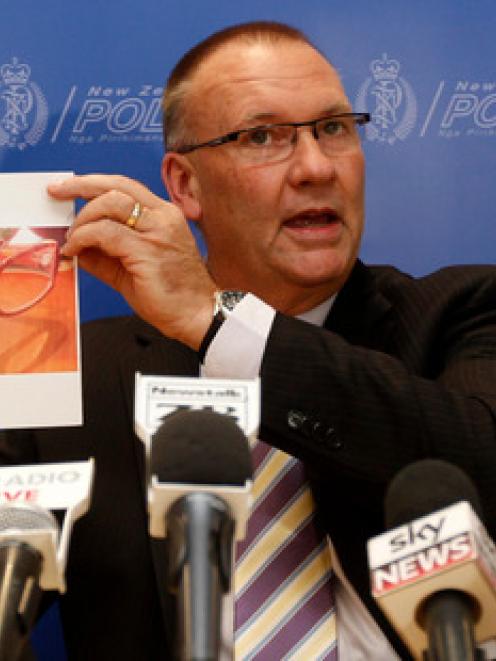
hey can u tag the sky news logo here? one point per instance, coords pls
(422, 563)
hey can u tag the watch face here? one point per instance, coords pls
(231, 298)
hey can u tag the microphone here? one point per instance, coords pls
(199, 498)
(434, 573)
(33, 546)
(20, 569)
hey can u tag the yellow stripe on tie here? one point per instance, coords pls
(268, 473)
(275, 536)
(318, 643)
(296, 592)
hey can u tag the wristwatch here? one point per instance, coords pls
(224, 303)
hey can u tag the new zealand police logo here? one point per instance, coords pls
(23, 108)
(390, 101)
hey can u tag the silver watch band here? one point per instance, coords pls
(225, 301)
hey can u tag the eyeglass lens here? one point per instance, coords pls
(270, 143)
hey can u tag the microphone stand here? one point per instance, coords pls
(201, 531)
(448, 617)
(20, 596)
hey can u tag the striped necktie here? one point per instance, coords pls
(284, 606)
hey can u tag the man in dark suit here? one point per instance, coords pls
(264, 154)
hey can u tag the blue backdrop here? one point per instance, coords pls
(80, 87)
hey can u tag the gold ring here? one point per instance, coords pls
(135, 215)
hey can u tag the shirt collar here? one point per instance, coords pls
(318, 315)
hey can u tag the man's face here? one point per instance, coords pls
(287, 231)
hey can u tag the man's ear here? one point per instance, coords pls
(181, 182)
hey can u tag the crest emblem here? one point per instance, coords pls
(23, 108)
(390, 98)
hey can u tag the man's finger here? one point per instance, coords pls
(91, 186)
(105, 235)
(113, 204)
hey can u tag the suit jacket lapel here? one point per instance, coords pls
(360, 310)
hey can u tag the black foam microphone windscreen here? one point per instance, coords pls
(200, 447)
(424, 487)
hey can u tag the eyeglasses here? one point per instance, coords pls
(27, 274)
(269, 143)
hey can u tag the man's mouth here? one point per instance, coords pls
(312, 219)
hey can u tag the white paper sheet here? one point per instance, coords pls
(40, 378)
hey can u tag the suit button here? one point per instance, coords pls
(303, 423)
(332, 439)
(296, 419)
(317, 432)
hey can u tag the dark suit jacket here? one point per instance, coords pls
(405, 368)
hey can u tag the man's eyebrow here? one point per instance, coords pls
(262, 118)
(277, 118)
(337, 109)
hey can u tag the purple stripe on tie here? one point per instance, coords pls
(276, 500)
(297, 626)
(277, 571)
(331, 655)
(258, 453)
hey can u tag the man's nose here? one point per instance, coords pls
(309, 163)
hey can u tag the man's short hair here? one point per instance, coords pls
(174, 125)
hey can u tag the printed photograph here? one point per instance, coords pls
(38, 329)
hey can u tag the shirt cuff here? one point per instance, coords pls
(238, 347)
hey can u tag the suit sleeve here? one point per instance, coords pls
(356, 414)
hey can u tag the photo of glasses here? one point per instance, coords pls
(38, 302)
(28, 268)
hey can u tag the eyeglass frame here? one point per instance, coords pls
(361, 118)
(25, 251)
